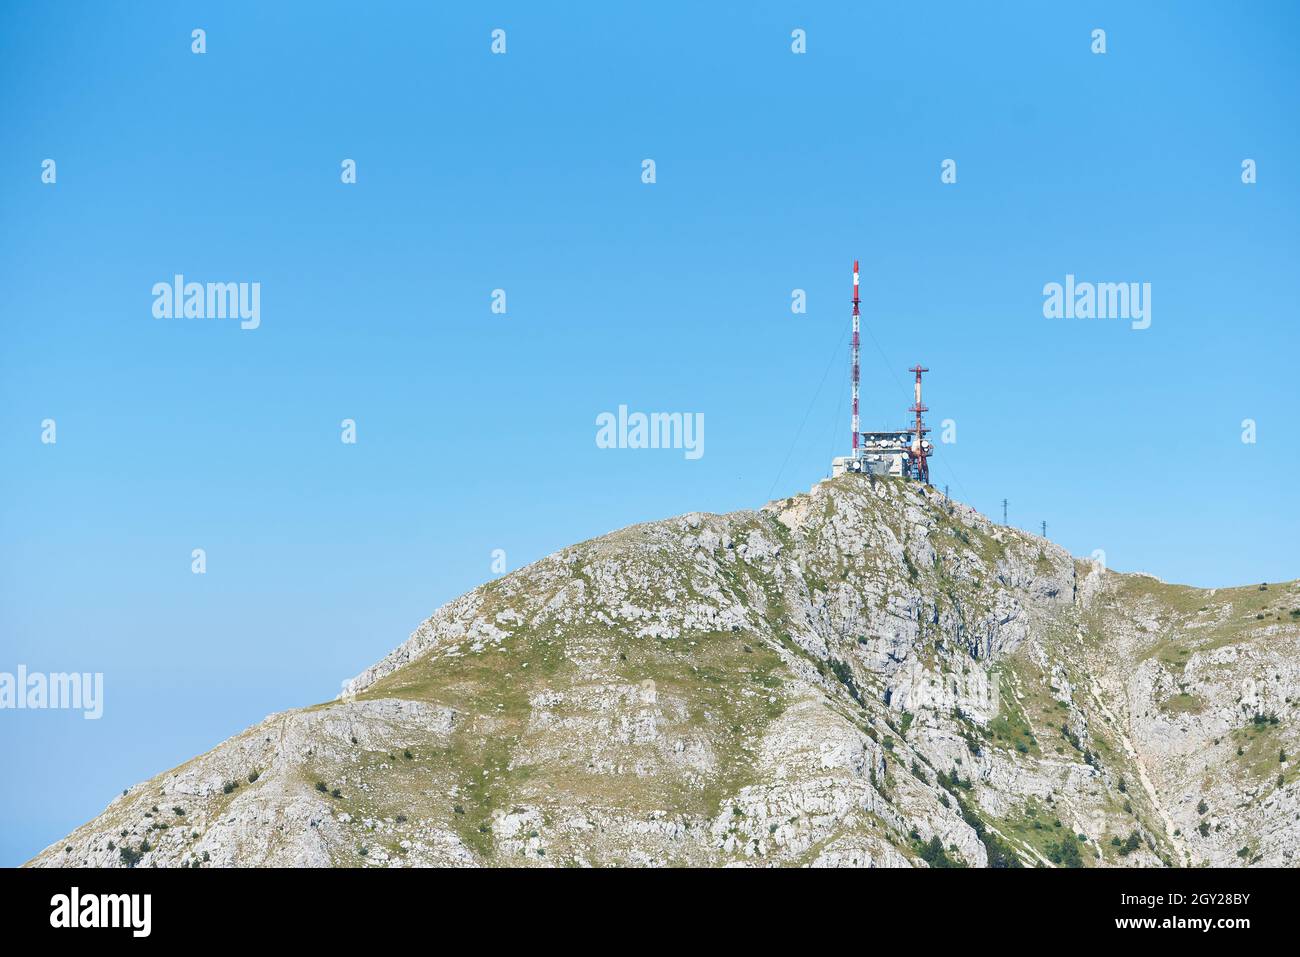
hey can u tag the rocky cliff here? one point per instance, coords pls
(865, 675)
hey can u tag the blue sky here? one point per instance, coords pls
(523, 172)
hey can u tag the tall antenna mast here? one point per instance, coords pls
(919, 453)
(856, 321)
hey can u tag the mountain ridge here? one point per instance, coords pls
(864, 674)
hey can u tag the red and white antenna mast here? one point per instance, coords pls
(919, 452)
(856, 320)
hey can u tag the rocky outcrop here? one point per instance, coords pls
(865, 675)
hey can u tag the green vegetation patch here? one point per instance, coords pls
(1183, 703)
(1038, 826)
(1260, 747)
(1011, 727)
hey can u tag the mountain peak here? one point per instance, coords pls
(863, 674)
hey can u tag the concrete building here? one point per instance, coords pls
(881, 453)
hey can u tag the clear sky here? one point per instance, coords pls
(523, 172)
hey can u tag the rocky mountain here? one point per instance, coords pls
(865, 675)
